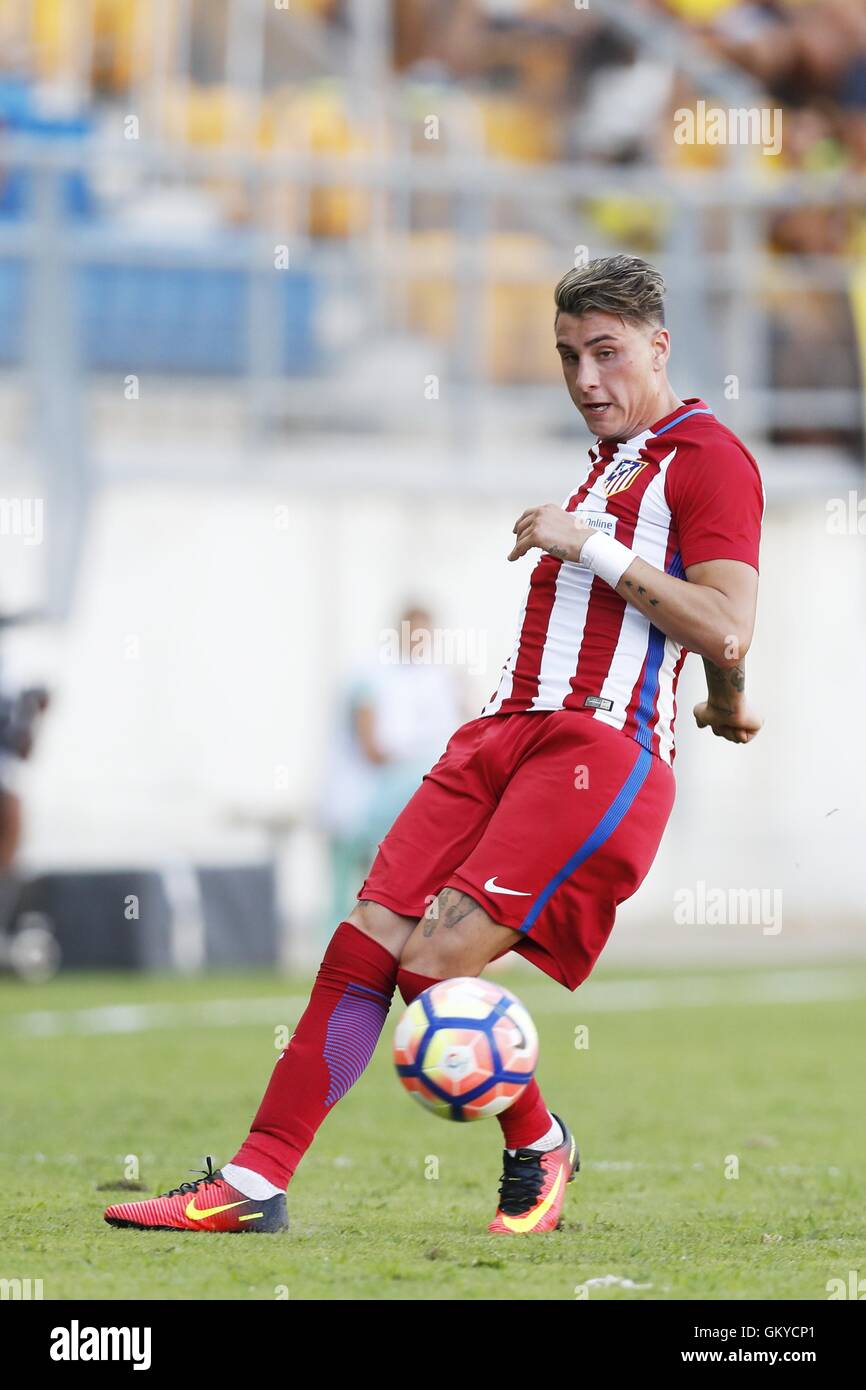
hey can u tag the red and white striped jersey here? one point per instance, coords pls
(684, 491)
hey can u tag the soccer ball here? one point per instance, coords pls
(465, 1048)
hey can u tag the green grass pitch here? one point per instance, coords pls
(685, 1079)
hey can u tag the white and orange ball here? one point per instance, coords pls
(465, 1048)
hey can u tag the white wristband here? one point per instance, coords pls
(606, 557)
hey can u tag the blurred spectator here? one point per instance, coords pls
(397, 715)
(809, 55)
(18, 717)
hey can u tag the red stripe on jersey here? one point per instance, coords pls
(539, 605)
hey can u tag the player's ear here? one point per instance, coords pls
(661, 347)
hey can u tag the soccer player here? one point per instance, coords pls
(546, 810)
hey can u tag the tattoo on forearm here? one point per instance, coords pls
(721, 683)
(449, 908)
(641, 591)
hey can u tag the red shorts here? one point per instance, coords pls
(547, 818)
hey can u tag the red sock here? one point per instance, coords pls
(411, 985)
(526, 1119)
(328, 1051)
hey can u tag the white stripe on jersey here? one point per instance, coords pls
(665, 706)
(650, 542)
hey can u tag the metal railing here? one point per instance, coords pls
(376, 260)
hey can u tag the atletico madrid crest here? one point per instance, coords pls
(623, 475)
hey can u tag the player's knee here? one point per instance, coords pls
(441, 954)
(387, 927)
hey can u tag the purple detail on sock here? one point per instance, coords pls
(353, 1031)
(365, 989)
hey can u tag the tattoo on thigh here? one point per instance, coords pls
(449, 908)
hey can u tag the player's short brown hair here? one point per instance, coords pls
(623, 285)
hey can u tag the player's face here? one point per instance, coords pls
(614, 371)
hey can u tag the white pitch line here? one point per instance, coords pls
(700, 991)
(782, 1170)
(613, 996)
(146, 1018)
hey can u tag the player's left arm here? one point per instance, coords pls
(711, 611)
(726, 710)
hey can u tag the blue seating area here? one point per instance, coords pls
(168, 319)
(187, 319)
(135, 315)
(19, 115)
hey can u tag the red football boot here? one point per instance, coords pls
(208, 1204)
(532, 1188)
